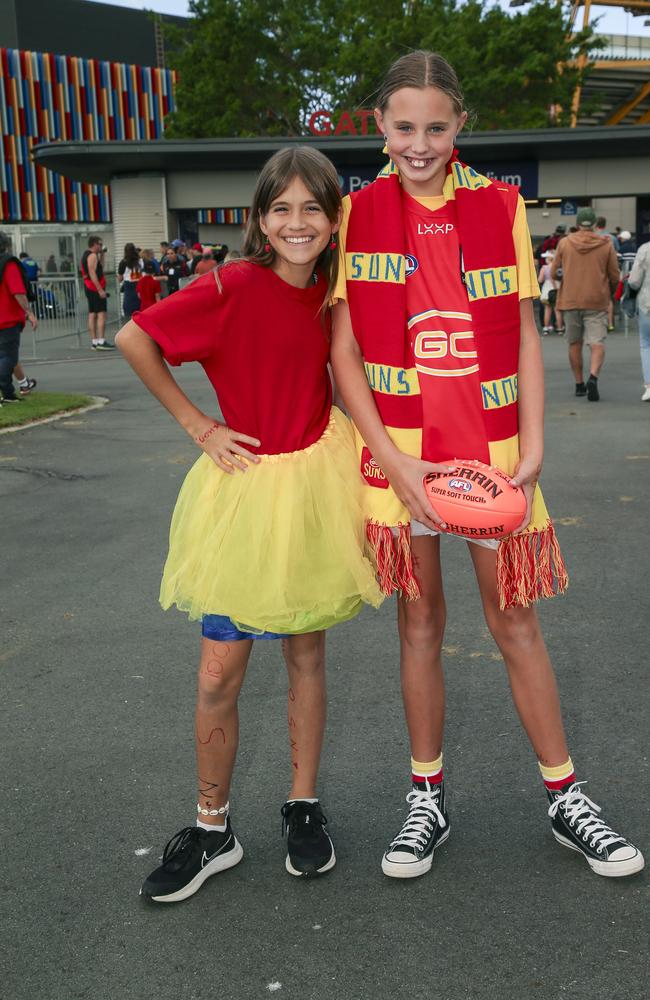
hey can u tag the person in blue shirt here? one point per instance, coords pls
(29, 266)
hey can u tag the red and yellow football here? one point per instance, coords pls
(476, 500)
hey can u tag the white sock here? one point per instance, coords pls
(211, 827)
(303, 800)
(23, 381)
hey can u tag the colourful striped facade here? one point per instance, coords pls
(222, 216)
(45, 97)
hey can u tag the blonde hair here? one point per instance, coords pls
(421, 69)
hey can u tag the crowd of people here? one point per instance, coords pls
(582, 274)
(144, 277)
(625, 246)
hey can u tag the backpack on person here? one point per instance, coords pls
(7, 258)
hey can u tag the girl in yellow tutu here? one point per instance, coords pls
(267, 538)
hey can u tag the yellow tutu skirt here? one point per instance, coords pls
(279, 548)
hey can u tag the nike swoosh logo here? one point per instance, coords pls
(206, 860)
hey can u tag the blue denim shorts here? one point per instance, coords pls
(220, 628)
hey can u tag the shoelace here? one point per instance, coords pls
(581, 813)
(423, 815)
(179, 842)
(308, 815)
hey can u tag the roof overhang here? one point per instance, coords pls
(97, 162)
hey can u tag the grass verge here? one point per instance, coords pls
(37, 405)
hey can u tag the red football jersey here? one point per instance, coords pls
(442, 337)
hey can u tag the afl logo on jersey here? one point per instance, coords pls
(412, 264)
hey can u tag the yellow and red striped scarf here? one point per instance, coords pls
(529, 566)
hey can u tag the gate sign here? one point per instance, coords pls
(568, 208)
(360, 121)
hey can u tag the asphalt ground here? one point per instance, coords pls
(98, 767)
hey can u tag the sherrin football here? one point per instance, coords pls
(476, 500)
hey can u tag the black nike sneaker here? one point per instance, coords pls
(426, 827)
(191, 857)
(576, 825)
(310, 850)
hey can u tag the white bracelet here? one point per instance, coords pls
(213, 812)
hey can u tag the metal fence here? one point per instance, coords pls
(61, 308)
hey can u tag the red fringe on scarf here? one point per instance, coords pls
(529, 567)
(393, 559)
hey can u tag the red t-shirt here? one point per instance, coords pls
(263, 348)
(442, 337)
(147, 288)
(13, 283)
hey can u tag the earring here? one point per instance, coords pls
(267, 247)
(332, 242)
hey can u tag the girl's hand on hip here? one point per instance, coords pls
(223, 446)
(526, 476)
(406, 477)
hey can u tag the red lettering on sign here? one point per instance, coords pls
(345, 124)
(365, 116)
(320, 123)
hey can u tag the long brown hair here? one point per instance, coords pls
(421, 69)
(320, 178)
(131, 256)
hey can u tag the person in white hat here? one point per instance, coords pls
(548, 290)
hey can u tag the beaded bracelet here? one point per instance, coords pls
(213, 812)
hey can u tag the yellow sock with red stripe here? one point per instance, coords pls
(426, 773)
(557, 777)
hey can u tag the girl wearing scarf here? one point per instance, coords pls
(437, 357)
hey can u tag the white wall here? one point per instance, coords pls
(618, 212)
(230, 235)
(542, 221)
(139, 211)
(217, 189)
(594, 178)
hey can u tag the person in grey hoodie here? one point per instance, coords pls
(588, 267)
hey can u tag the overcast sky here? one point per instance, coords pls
(613, 21)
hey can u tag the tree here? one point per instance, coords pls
(247, 67)
(260, 67)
